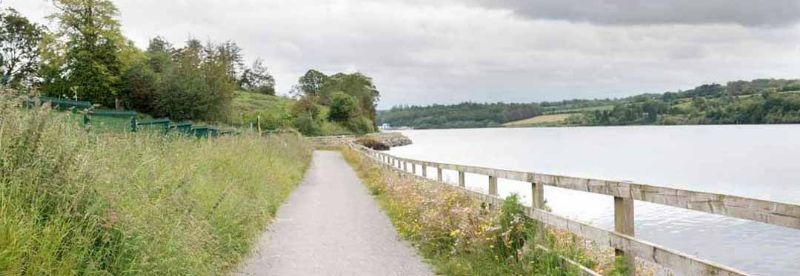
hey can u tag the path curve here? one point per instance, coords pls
(330, 225)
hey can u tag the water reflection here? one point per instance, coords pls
(752, 161)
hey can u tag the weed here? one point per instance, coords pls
(76, 202)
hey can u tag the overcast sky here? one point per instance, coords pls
(449, 51)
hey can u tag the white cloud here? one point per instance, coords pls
(451, 51)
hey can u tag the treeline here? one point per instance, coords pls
(763, 101)
(86, 57)
(463, 115)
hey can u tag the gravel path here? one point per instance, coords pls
(330, 225)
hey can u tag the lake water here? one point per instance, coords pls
(752, 161)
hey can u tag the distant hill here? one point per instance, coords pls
(761, 101)
(476, 115)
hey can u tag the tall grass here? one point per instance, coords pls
(458, 234)
(73, 202)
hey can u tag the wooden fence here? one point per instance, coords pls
(622, 239)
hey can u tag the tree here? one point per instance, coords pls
(306, 113)
(92, 40)
(19, 53)
(357, 85)
(159, 54)
(230, 55)
(311, 83)
(143, 75)
(343, 107)
(257, 79)
(140, 85)
(196, 86)
(306, 106)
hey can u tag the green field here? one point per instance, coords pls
(540, 120)
(579, 109)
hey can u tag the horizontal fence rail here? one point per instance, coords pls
(622, 238)
(770, 212)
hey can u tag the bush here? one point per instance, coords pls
(361, 125)
(73, 202)
(343, 107)
(306, 106)
(306, 125)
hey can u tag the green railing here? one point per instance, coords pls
(126, 120)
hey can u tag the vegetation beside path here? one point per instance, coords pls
(461, 236)
(77, 202)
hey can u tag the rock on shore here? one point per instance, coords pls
(391, 139)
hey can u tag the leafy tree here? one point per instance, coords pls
(257, 79)
(343, 107)
(19, 53)
(349, 95)
(90, 38)
(159, 54)
(51, 67)
(311, 83)
(197, 85)
(357, 85)
(143, 77)
(306, 106)
(140, 85)
(230, 54)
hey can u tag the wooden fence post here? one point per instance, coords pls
(405, 166)
(439, 174)
(537, 196)
(493, 185)
(413, 168)
(424, 170)
(461, 179)
(537, 202)
(623, 224)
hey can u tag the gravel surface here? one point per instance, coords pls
(330, 225)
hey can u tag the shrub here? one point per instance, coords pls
(306, 125)
(361, 125)
(343, 107)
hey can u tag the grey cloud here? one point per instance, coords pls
(452, 51)
(624, 12)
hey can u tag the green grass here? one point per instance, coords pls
(275, 111)
(458, 235)
(579, 109)
(540, 120)
(77, 202)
